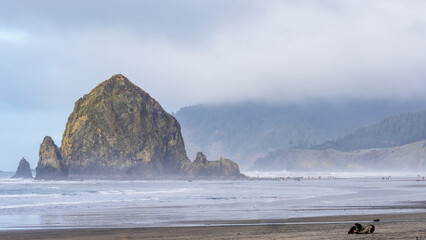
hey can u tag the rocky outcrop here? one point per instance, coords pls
(24, 170)
(200, 159)
(223, 168)
(120, 130)
(50, 165)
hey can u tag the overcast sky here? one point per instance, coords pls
(188, 52)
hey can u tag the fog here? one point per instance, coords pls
(418, 175)
(192, 52)
(54, 52)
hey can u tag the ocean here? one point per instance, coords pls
(30, 204)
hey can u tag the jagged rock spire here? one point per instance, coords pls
(50, 165)
(24, 170)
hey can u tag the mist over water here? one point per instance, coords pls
(335, 174)
(33, 204)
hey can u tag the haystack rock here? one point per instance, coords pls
(119, 131)
(24, 170)
(50, 165)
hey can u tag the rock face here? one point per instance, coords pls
(214, 169)
(120, 130)
(50, 165)
(24, 170)
(200, 159)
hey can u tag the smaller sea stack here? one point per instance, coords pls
(24, 170)
(50, 164)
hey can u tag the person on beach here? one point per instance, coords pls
(359, 229)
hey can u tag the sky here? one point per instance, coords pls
(197, 51)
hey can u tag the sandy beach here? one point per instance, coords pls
(391, 226)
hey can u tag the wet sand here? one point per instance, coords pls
(391, 226)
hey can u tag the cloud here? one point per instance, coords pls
(188, 52)
(192, 52)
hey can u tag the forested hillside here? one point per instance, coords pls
(409, 157)
(393, 131)
(245, 131)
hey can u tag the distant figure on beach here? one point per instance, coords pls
(359, 229)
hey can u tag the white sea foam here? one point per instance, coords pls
(136, 192)
(99, 203)
(31, 195)
(73, 203)
(110, 192)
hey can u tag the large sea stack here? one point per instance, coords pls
(24, 170)
(119, 131)
(50, 164)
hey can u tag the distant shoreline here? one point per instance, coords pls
(390, 226)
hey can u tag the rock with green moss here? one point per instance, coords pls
(50, 166)
(120, 130)
(24, 170)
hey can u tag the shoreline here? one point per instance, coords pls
(390, 226)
